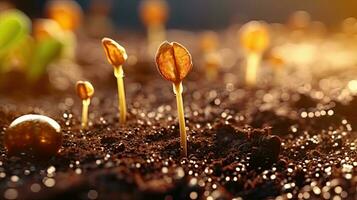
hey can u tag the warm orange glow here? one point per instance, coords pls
(212, 62)
(67, 13)
(44, 28)
(299, 20)
(254, 37)
(154, 12)
(349, 25)
(276, 60)
(209, 41)
(352, 86)
(253, 62)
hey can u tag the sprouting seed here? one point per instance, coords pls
(85, 91)
(211, 58)
(209, 41)
(212, 62)
(174, 62)
(277, 62)
(154, 14)
(14, 27)
(67, 13)
(116, 56)
(45, 28)
(35, 135)
(254, 38)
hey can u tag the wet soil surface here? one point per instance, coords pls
(261, 143)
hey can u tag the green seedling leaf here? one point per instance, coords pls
(19, 56)
(14, 26)
(46, 51)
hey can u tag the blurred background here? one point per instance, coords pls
(263, 42)
(213, 14)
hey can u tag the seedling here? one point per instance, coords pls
(209, 41)
(211, 58)
(16, 44)
(154, 14)
(174, 62)
(47, 47)
(14, 28)
(36, 135)
(277, 62)
(85, 92)
(19, 56)
(45, 51)
(254, 38)
(212, 61)
(68, 14)
(116, 56)
(45, 28)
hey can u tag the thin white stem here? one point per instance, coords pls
(119, 74)
(85, 105)
(253, 62)
(156, 35)
(181, 116)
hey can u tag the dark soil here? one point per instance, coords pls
(240, 144)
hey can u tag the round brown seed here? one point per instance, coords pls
(35, 135)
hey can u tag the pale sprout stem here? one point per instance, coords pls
(85, 105)
(180, 114)
(253, 62)
(156, 34)
(119, 74)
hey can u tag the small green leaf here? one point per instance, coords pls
(14, 26)
(19, 56)
(46, 51)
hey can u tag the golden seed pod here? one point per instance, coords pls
(36, 135)
(173, 61)
(67, 13)
(254, 37)
(116, 54)
(85, 89)
(154, 12)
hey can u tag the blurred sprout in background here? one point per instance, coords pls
(15, 27)
(20, 51)
(28, 47)
(42, 44)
